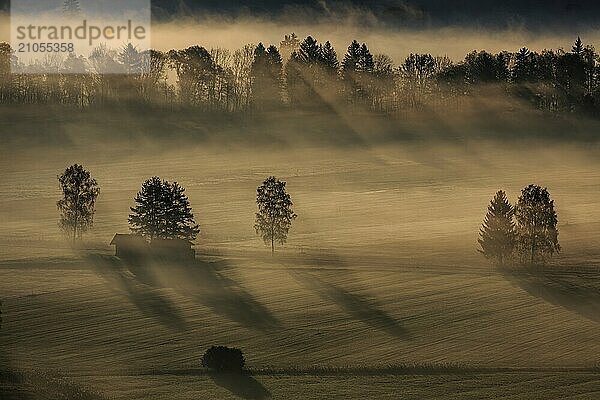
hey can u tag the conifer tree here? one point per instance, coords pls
(304, 74)
(130, 58)
(163, 211)
(352, 58)
(309, 52)
(577, 48)
(357, 71)
(366, 63)
(328, 78)
(259, 72)
(497, 235)
(275, 73)
(275, 215)
(260, 59)
(522, 71)
(329, 58)
(297, 89)
(274, 61)
(266, 73)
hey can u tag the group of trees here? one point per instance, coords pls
(162, 209)
(302, 74)
(527, 231)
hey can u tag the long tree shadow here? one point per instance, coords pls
(573, 290)
(206, 282)
(356, 305)
(241, 385)
(145, 297)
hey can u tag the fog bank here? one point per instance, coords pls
(455, 42)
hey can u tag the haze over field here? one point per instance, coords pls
(380, 269)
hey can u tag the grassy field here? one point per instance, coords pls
(380, 269)
(474, 385)
(471, 386)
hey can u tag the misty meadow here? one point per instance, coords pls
(285, 201)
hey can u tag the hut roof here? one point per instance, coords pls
(125, 239)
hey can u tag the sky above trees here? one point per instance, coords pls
(400, 13)
(535, 14)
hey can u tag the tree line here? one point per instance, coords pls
(303, 74)
(162, 210)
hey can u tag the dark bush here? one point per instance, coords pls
(222, 358)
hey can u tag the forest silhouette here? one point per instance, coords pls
(303, 75)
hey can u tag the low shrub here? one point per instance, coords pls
(223, 359)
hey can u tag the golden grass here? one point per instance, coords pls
(380, 269)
